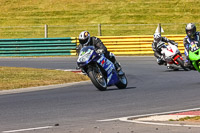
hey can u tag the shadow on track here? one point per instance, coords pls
(181, 70)
(116, 89)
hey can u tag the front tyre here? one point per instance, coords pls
(122, 82)
(97, 78)
(181, 63)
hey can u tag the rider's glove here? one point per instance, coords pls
(176, 44)
(193, 48)
(99, 51)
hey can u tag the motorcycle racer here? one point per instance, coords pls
(86, 40)
(192, 36)
(157, 45)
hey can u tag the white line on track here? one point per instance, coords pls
(28, 129)
(127, 118)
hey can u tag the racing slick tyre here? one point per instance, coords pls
(122, 82)
(181, 63)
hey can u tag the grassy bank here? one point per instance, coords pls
(193, 119)
(70, 17)
(189, 119)
(13, 78)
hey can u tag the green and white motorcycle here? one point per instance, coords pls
(194, 55)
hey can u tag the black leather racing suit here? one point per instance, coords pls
(186, 42)
(98, 44)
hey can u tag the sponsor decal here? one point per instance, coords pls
(103, 61)
(108, 62)
(108, 66)
(109, 70)
(100, 60)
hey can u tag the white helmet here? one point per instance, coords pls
(157, 37)
(84, 38)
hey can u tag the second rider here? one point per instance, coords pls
(156, 46)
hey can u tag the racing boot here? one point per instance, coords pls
(116, 64)
(118, 68)
(160, 61)
(188, 64)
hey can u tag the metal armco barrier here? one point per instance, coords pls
(136, 45)
(38, 46)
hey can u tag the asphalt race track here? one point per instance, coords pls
(79, 107)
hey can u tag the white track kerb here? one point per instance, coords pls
(157, 118)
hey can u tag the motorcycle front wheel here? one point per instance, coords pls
(97, 78)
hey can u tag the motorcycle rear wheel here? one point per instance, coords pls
(181, 63)
(122, 82)
(97, 79)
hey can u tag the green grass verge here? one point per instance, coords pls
(195, 118)
(73, 16)
(14, 78)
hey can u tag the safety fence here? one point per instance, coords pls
(38, 46)
(47, 30)
(119, 45)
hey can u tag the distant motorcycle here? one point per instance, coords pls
(172, 56)
(99, 69)
(194, 55)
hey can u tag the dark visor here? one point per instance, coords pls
(83, 41)
(157, 39)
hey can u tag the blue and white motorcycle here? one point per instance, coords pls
(99, 69)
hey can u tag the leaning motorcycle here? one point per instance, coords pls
(194, 55)
(99, 69)
(172, 56)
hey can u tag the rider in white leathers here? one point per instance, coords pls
(156, 47)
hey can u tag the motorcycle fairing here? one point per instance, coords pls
(195, 58)
(171, 54)
(109, 67)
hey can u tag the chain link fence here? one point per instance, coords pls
(50, 31)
